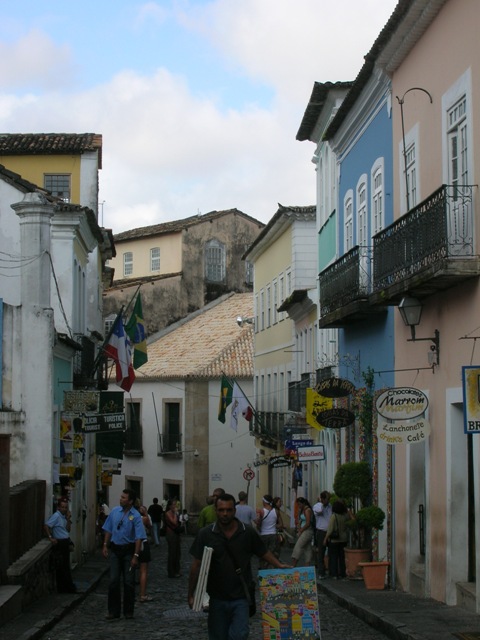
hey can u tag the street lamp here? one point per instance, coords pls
(411, 312)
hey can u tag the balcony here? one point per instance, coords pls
(268, 426)
(84, 363)
(170, 444)
(429, 249)
(344, 290)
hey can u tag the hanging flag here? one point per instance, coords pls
(226, 390)
(135, 329)
(240, 407)
(118, 349)
(315, 405)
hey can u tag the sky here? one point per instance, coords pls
(198, 101)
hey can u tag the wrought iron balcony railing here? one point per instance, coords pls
(345, 281)
(83, 362)
(269, 425)
(169, 444)
(439, 228)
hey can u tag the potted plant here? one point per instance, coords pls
(374, 573)
(353, 484)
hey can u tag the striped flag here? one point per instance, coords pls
(118, 348)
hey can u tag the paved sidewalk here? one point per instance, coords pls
(398, 615)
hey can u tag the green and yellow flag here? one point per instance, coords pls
(135, 329)
(226, 391)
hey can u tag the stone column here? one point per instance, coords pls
(37, 333)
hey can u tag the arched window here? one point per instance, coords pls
(377, 221)
(214, 261)
(362, 209)
(348, 221)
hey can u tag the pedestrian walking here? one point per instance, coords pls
(322, 510)
(207, 514)
(267, 525)
(124, 534)
(336, 539)
(172, 532)
(244, 512)
(233, 544)
(305, 533)
(155, 511)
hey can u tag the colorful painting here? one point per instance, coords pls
(289, 603)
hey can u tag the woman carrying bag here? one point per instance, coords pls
(305, 533)
(336, 539)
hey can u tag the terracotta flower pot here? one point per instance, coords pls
(374, 574)
(352, 559)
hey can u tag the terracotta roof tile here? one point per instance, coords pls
(177, 225)
(19, 144)
(204, 344)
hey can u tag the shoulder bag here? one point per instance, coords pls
(335, 535)
(249, 590)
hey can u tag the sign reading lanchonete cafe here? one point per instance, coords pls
(402, 410)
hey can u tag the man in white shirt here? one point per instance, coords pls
(322, 510)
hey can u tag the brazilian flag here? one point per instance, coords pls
(135, 329)
(226, 391)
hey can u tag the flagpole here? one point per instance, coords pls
(233, 381)
(105, 342)
(160, 443)
(132, 299)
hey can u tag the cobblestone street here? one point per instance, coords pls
(168, 615)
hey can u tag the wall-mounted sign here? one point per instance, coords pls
(401, 403)
(315, 403)
(337, 418)
(335, 388)
(311, 454)
(93, 423)
(292, 445)
(471, 399)
(403, 431)
(279, 461)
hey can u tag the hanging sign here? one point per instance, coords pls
(403, 431)
(291, 446)
(471, 399)
(335, 388)
(401, 403)
(311, 454)
(337, 418)
(279, 461)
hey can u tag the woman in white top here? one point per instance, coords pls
(267, 526)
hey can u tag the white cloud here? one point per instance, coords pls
(36, 62)
(289, 44)
(168, 153)
(151, 12)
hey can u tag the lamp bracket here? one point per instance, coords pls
(435, 340)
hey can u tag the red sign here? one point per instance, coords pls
(249, 474)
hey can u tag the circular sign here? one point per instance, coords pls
(401, 403)
(335, 418)
(249, 474)
(335, 388)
